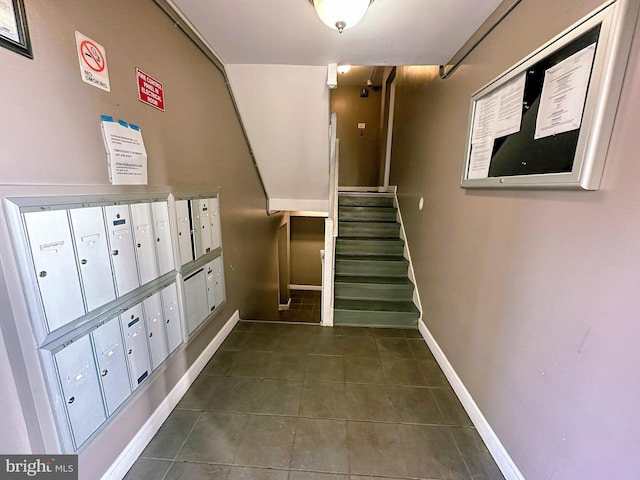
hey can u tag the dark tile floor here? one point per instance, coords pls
(305, 307)
(303, 402)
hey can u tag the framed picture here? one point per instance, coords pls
(14, 33)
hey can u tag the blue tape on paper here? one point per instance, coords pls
(106, 118)
(134, 127)
(123, 123)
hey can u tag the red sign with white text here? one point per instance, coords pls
(150, 90)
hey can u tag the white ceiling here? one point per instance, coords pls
(288, 32)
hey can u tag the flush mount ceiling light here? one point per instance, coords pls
(341, 14)
(342, 69)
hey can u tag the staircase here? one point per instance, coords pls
(371, 283)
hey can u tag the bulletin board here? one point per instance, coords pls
(547, 121)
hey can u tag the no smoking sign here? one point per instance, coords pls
(93, 62)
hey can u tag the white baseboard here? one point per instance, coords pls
(491, 440)
(284, 306)
(138, 443)
(315, 288)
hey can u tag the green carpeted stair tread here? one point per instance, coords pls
(374, 280)
(402, 306)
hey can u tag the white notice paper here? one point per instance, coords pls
(8, 25)
(510, 106)
(480, 158)
(564, 92)
(484, 126)
(484, 118)
(126, 154)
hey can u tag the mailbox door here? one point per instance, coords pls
(80, 389)
(195, 292)
(136, 346)
(157, 337)
(93, 256)
(172, 316)
(214, 218)
(123, 257)
(112, 364)
(144, 240)
(211, 286)
(205, 225)
(185, 241)
(161, 228)
(55, 266)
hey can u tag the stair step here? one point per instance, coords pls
(366, 289)
(375, 313)
(369, 246)
(379, 265)
(364, 214)
(368, 229)
(380, 280)
(365, 199)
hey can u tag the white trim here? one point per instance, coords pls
(387, 157)
(358, 189)
(138, 443)
(493, 443)
(315, 288)
(299, 205)
(308, 213)
(285, 306)
(328, 269)
(407, 255)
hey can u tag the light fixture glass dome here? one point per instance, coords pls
(341, 14)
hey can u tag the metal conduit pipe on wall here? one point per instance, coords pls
(485, 29)
(183, 24)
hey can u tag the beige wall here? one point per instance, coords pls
(307, 239)
(51, 136)
(359, 155)
(533, 295)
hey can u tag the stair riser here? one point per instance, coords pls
(357, 267)
(375, 319)
(374, 292)
(368, 248)
(361, 201)
(365, 216)
(366, 229)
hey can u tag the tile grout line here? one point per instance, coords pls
(464, 460)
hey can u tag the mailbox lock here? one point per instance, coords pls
(150, 334)
(130, 351)
(179, 234)
(71, 400)
(115, 252)
(104, 372)
(43, 274)
(117, 215)
(139, 245)
(83, 261)
(157, 239)
(168, 321)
